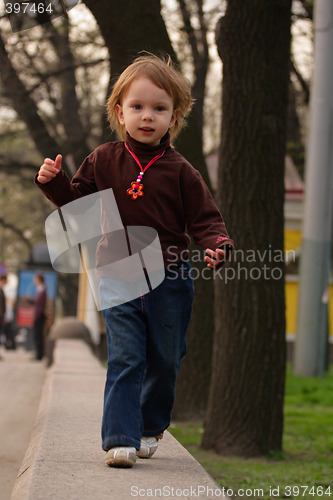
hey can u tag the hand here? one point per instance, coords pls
(49, 169)
(214, 258)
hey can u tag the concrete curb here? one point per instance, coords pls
(64, 460)
(22, 382)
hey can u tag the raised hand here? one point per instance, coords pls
(49, 169)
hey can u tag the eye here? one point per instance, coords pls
(136, 106)
(160, 108)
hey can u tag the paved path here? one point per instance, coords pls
(21, 382)
(65, 460)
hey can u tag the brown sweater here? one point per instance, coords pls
(176, 200)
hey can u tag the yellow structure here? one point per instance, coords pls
(293, 241)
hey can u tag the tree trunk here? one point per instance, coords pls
(200, 54)
(144, 29)
(295, 145)
(245, 409)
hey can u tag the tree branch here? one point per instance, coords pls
(72, 67)
(12, 166)
(200, 54)
(203, 31)
(189, 29)
(17, 231)
(304, 84)
(25, 106)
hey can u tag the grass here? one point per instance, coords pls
(306, 463)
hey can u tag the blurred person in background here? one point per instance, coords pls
(10, 330)
(3, 281)
(39, 315)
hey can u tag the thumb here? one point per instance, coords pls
(57, 162)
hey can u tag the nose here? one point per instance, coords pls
(147, 114)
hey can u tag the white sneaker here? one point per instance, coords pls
(148, 447)
(121, 456)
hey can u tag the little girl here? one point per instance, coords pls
(156, 187)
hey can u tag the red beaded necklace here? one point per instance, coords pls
(136, 188)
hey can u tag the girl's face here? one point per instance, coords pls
(146, 111)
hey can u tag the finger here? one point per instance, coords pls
(42, 179)
(220, 253)
(214, 259)
(57, 162)
(210, 252)
(48, 170)
(48, 161)
(211, 262)
(210, 258)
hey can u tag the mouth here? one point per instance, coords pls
(146, 129)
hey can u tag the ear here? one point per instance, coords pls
(174, 117)
(120, 114)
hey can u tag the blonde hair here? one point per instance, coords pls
(164, 75)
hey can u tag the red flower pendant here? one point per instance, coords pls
(135, 190)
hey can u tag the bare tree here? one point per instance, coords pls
(245, 409)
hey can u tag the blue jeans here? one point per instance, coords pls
(146, 341)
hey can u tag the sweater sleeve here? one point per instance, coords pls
(61, 190)
(203, 218)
